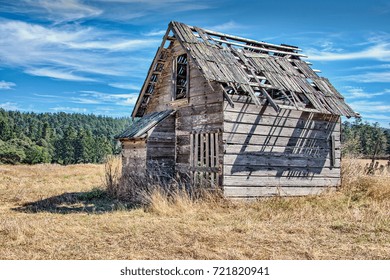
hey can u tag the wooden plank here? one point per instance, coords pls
(278, 131)
(266, 140)
(196, 153)
(207, 150)
(257, 172)
(212, 153)
(297, 151)
(272, 160)
(191, 149)
(248, 191)
(281, 181)
(250, 118)
(333, 150)
(201, 142)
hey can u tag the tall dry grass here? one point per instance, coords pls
(78, 222)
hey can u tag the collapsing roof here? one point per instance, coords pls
(139, 129)
(266, 72)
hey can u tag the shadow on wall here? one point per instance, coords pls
(284, 147)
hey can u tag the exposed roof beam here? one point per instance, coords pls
(150, 72)
(210, 32)
(257, 48)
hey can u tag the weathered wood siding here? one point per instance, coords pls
(133, 155)
(286, 153)
(160, 148)
(201, 111)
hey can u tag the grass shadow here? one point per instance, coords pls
(96, 201)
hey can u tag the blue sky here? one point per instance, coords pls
(91, 56)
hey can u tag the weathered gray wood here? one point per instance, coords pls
(258, 139)
(267, 120)
(248, 191)
(281, 181)
(257, 171)
(280, 161)
(279, 131)
(297, 151)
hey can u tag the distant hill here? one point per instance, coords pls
(57, 138)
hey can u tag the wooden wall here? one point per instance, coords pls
(286, 153)
(160, 148)
(133, 155)
(202, 110)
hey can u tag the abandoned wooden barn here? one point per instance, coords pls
(250, 117)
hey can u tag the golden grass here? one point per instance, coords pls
(68, 218)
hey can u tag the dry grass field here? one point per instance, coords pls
(62, 212)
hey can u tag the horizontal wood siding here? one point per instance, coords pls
(160, 145)
(286, 153)
(133, 155)
(202, 110)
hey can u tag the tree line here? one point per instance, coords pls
(58, 138)
(360, 138)
(78, 138)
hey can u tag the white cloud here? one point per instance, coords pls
(64, 10)
(95, 97)
(377, 117)
(69, 109)
(73, 49)
(57, 74)
(379, 51)
(376, 47)
(369, 77)
(124, 86)
(370, 107)
(226, 27)
(358, 92)
(155, 33)
(372, 67)
(6, 85)
(10, 106)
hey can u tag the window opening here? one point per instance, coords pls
(181, 73)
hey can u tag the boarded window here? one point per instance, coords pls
(181, 72)
(204, 158)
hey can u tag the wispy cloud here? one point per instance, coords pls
(377, 117)
(69, 109)
(226, 27)
(368, 77)
(10, 106)
(358, 92)
(372, 67)
(6, 85)
(58, 10)
(71, 49)
(378, 52)
(96, 97)
(124, 86)
(57, 74)
(155, 33)
(376, 47)
(370, 107)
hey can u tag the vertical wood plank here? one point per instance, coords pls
(201, 142)
(207, 142)
(196, 155)
(212, 157)
(333, 150)
(216, 139)
(202, 158)
(191, 149)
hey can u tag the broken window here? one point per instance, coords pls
(181, 72)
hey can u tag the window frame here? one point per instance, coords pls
(174, 78)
